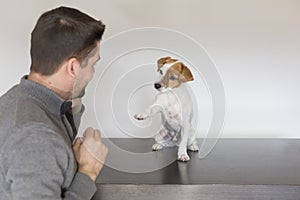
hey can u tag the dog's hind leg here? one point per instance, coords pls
(193, 147)
(192, 142)
(157, 147)
(161, 139)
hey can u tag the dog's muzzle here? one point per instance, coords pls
(157, 85)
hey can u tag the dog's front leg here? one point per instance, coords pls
(149, 112)
(182, 149)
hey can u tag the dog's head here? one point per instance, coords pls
(173, 75)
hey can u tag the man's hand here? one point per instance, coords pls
(90, 153)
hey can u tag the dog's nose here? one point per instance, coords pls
(157, 86)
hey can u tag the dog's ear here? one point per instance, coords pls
(185, 72)
(164, 60)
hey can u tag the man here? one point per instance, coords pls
(37, 126)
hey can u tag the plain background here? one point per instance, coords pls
(255, 45)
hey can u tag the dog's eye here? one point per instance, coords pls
(173, 78)
(161, 72)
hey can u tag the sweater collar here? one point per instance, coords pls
(48, 98)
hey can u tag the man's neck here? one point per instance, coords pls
(50, 83)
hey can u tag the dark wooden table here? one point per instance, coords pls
(235, 169)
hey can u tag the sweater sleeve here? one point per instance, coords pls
(37, 167)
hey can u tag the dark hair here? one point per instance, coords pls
(60, 34)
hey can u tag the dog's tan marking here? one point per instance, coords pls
(164, 60)
(185, 72)
(176, 74)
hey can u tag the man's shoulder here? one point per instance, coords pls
(31, 114)
(9, 95)
(35, 130)
(30, 110)
(21, 111)
(33, 143)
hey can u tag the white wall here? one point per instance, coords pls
(254, 44)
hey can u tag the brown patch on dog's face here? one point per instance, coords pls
(185, 73)
(164, 60)
(170, 80)
(177, 74)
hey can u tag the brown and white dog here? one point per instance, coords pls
(174, 103)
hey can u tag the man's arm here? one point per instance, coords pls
(37, 167)
(90, 153)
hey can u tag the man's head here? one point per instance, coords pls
(66, 37)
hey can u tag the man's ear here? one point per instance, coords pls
(73, 67)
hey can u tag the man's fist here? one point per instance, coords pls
(90, 153)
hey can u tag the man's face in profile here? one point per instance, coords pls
(87, 72)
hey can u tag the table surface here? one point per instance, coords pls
(232, 161)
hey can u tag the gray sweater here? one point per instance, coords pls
(36, 157)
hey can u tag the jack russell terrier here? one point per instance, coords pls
(174, 103)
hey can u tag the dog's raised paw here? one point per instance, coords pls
(157, 147)
(183, 158)
(141, 116)
(193, 148)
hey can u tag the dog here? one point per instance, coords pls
(174, 103)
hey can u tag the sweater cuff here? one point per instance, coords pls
(83, 186)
